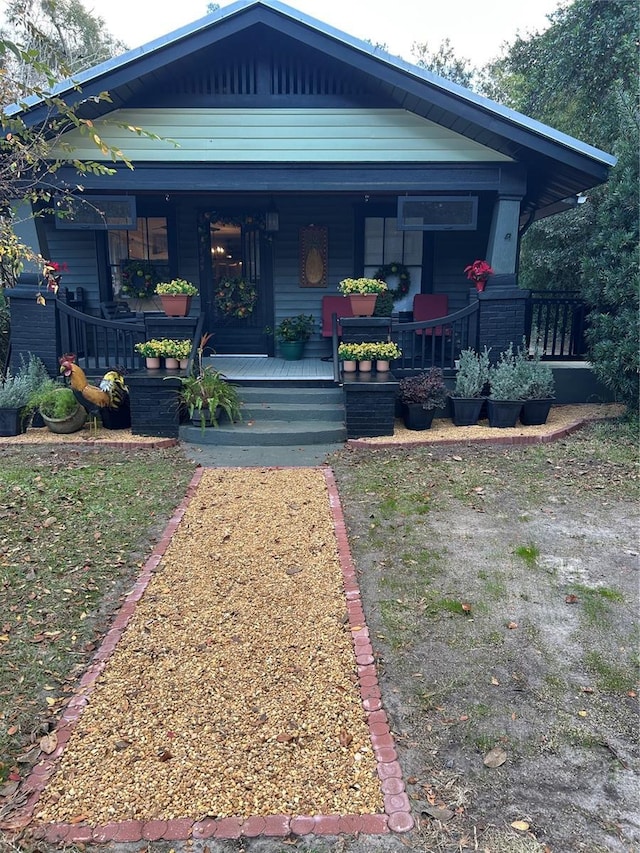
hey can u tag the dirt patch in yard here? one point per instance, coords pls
(501, 590)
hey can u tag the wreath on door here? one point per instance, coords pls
(401, 272)
(236, 297)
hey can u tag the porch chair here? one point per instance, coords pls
(334, 304)
(430, 306)
(119, 310)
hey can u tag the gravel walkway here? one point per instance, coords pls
(238, 694)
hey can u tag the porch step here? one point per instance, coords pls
(278, 417)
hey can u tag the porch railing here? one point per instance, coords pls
(98, 343)
(556, 321)
(425, 343)
(435, 343)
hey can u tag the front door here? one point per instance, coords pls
(236, 284)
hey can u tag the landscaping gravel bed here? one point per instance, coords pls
(233, 691)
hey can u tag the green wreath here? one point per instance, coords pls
(139, 279)
(404, 278)
(236, 297)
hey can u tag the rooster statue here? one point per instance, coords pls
(110, 400)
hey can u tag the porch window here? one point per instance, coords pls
(148, 242)
(385, 244)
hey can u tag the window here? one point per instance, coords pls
(437, 213)
(98, 213)
(148, 242)
(385, 244)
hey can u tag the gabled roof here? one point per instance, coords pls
(559, 166)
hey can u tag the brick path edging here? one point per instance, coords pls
(546, 438)
(397, 810)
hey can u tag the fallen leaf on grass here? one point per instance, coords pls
(438, 814)
(512, 625)
(495, 757)
(466, 607)
(583, 713)
(571, 599)
(495, 681)
(48, 743)
(520, 825)
(9, 789)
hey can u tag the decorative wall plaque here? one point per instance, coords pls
(313, 256)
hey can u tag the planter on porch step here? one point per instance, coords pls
(292, 350)
(363, 304)
(12, 421)
(466, 410)
(503, 413)
(176, 306)
(535, 412)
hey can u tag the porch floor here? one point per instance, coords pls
(255, 368)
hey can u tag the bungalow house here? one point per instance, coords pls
(291, 155)
(283, 154)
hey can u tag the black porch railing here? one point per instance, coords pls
(425, 343)
(435, 343)
(98, 343)
(555, 321)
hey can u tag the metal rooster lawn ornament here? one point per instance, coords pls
(110, 399)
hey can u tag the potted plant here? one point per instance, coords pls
(150, 351)
(14, 397)
(175, 296)
(420, 396)
(39, 381)
(506, 389)
(292, 333)
(347, 353)
(478, 272)
(61, 411)
(174, 352)
(538, 388)
(472, 376)
(206, 394)
(362, 293)
(383, 353)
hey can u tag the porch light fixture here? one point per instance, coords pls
(272, 219)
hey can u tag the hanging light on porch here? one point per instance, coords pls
(272, 219)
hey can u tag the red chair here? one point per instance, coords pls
(431, 306)
(334, 304)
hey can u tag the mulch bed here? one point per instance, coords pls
(242, 697)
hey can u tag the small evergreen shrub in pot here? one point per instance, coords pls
(506, 389)
(538, 388)
(292, 333)
(472, 376)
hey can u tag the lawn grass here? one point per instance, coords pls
(75, 528)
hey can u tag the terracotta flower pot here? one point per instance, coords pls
(349, 366)
(152, 362)
(176, 306)
(365, 366)
(382, 365)
(363, 304)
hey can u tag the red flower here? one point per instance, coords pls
(478, 271)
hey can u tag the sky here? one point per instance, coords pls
(476, 30)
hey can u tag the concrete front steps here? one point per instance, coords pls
(283, 416)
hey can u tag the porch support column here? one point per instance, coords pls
(502, 248)
(34, 328)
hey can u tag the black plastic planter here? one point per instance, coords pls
(12, 421)
(416, 417)
(466, 410)
(535, 412)
(503, 413)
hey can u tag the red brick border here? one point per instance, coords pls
(397, 810)
(554, 435)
